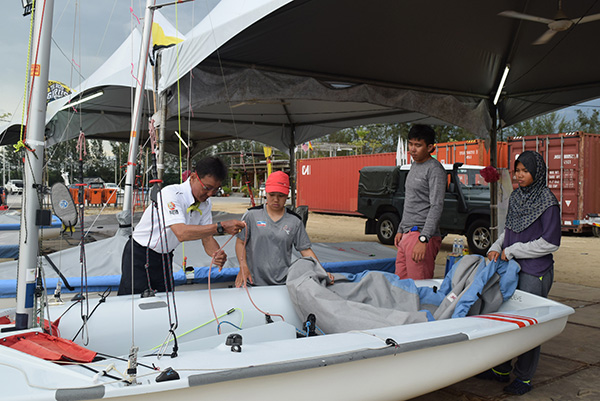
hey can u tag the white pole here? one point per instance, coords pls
(33, 166)
(136, 118)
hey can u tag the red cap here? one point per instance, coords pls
(278, 182)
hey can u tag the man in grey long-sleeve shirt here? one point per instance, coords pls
(418, 239)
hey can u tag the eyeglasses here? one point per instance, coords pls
(208, 189)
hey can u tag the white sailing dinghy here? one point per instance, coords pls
(229, 343)
(390, 363)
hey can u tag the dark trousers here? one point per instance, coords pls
(138, 276)
(527, 363)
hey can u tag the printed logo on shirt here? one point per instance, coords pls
(171, 206)
(173, 212)
(261, 224)
(286, 229)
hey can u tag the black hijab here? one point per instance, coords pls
(527, 204)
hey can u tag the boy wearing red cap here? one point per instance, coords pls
(264, 247)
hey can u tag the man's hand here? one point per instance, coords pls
(397, 239)
(419, 252)
(219, 258)
(243, 276)
(233, 227)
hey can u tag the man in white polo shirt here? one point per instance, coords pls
(187, 212)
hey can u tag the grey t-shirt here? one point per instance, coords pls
(269, 245)
(425, 189)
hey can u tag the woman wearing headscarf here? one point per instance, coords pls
(531, 235)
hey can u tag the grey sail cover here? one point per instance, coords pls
(63, 205)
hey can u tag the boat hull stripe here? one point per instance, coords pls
(317, 362)
(530, 320)
(520, 321)
(72, 394)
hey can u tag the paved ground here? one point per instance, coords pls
(570, 364)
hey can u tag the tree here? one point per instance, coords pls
(589, 123)
(379, 138)
(546, 124)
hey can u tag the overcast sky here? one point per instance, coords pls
(86, 31)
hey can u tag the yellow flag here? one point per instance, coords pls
(268, 151)
(160, 39)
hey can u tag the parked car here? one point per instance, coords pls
(112, 185)
(466, 205)
(14, 187)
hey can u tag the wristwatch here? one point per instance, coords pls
(220, 229)
(423, 239)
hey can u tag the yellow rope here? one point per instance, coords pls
(21, 144)
(178, 99)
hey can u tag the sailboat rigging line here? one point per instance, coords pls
(84, 306)
(229, 312)
(102, 299)
(225, 321)
(126, 360)
(168, 266)
(27, 68)
(68, 309)
(157, 6)
(101, 372)
(212, 262)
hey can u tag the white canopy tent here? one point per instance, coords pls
(290, 71)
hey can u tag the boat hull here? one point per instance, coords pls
(356, 365)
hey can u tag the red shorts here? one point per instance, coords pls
(406, 267)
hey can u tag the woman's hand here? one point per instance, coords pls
(493, 255)
(243, 277)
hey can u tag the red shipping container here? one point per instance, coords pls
(573, 172)
(471, 152)
(330, 184)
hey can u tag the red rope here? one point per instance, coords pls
(81, 145)
(245, 286)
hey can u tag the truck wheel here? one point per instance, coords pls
(479, 237)
(387, 226)
(596, 231)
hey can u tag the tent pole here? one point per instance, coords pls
(292, 150)
(494, 185)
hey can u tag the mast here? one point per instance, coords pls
(33, 166)
(136, 117)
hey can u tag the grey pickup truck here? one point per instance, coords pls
(466, 204)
